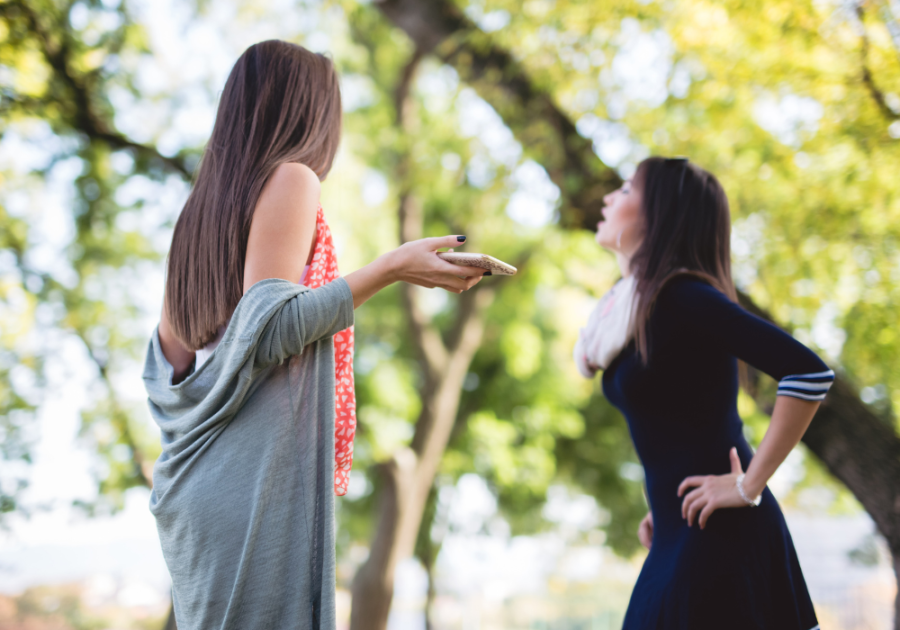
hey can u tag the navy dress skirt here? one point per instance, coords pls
(741, 571)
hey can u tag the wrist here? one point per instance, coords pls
(388, 268)
(753, 485)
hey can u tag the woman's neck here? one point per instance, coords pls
(624, 264)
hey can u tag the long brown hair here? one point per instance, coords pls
(687, 231)
(281, 103)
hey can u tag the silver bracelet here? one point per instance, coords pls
(740, 488)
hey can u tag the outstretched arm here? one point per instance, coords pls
(283, 230)
(415, 263)
(281, 238)
(318, 313)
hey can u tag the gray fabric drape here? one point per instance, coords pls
(243, 492)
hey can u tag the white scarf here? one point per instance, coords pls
(610, 327)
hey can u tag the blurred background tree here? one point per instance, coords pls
(505, 121)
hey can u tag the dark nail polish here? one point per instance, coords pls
(461, 239)
(487, 273)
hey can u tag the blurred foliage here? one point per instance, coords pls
(794, 105)
(60, 62)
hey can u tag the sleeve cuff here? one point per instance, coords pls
(812, 386)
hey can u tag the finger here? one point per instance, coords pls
(696, 498)
(471, 282)
(458, 284)
(690, 498)
(736, 467)
(438, 242)
(454, 285)
(705, 514)
(645, 532)
(642, 535)
(461, 270)
(690, 482)
(696, 506)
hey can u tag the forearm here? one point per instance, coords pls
(415, 262)
(790, 419)
(369, 280)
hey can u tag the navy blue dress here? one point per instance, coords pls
(741, 571)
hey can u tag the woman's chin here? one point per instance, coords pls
(602, 242)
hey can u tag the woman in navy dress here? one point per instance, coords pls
(669, 337)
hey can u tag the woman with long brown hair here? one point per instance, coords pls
(253, 397)
(668, 337)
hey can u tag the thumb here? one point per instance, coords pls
(735, 461)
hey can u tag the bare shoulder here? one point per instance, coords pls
(289, 200)
(291, 182)
(283, 227)
(294, 177)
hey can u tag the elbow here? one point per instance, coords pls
(273, 352)
(282, 338)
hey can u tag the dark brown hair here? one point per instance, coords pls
(687, 231)
(281, 104)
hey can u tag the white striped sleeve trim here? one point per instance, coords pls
(822, 387)
(812, 386)
(826, 374)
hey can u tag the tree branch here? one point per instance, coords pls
(143, 470)
(401, 94)
(545, 131)
(84, 117)
(867, 78)
(470, 324)
(427, 340)
(891, 16)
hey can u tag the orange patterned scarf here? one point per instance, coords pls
(323, 270)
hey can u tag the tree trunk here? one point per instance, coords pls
(373, 585)
(408, 477)
(406, 485)
(854, 444)
(427, 550)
